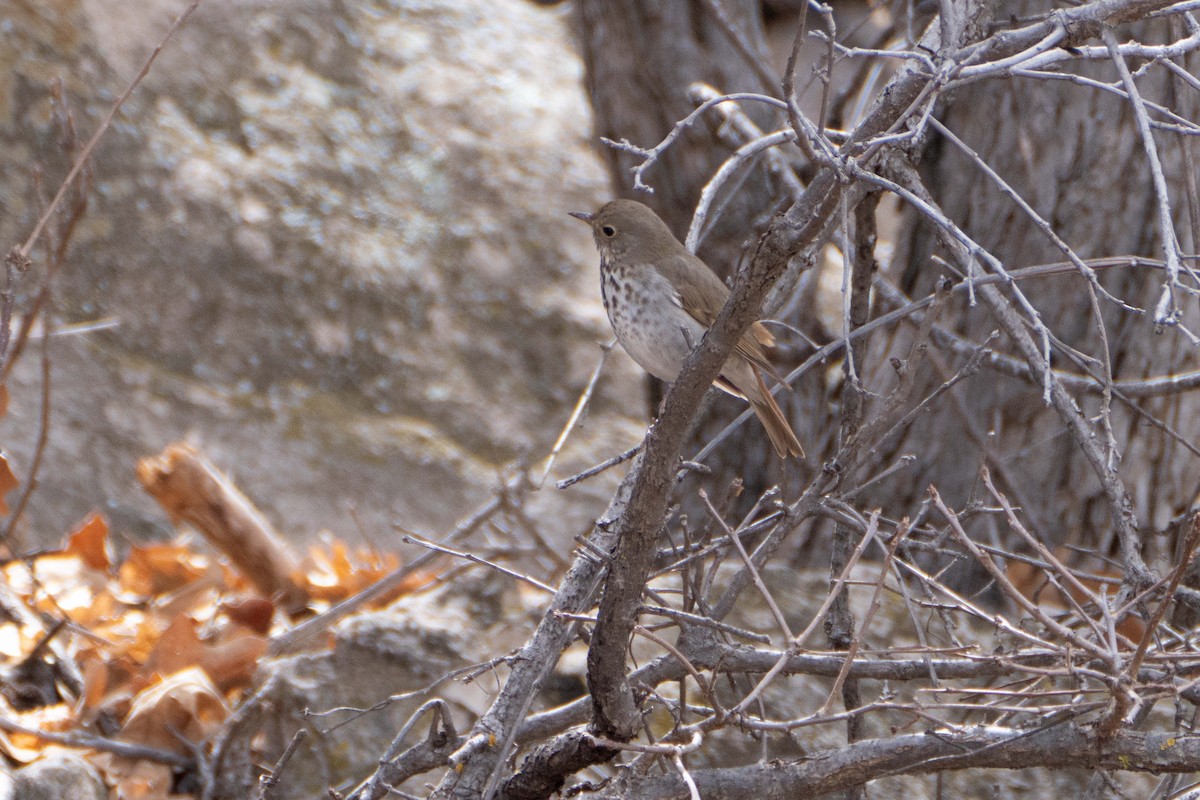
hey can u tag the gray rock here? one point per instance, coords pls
(332, 239)
(411, 652)
(56, 777)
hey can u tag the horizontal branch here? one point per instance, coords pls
(706, 653)
(1055, 746)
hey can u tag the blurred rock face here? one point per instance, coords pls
(332, 237)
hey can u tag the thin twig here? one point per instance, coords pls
(584, 398)
(620, 458)
(474, 559)
(268, 782)
(43, 438)
(22, 253)
(1167, 311)
(87, 741)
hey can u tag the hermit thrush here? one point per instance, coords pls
(661, 299)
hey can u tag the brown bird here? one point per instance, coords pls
(661, 299)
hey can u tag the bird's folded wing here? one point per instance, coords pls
(703, 295)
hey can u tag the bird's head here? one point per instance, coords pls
(630, 230)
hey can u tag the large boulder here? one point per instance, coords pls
(331, 241)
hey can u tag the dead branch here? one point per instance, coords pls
(192, 490)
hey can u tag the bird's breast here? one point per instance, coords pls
(648, 318)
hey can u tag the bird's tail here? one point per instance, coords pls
(782, 437)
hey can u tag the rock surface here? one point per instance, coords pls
(439, 643)
(55, 777)
(331, 241)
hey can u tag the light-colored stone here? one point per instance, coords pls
(333, 240)
(410, 652)
(56, 777)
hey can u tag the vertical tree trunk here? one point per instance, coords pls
(1074, 153)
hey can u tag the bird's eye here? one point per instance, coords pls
(608, 230)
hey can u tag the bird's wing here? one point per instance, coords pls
(702, 295)
(701, 292)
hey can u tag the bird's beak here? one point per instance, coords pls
(583, 215)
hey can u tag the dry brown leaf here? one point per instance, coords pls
(159, 568)
(25, 747)
(254, 613)
(60, 582)
(134, 779)
(89, 541)
(336, 573)
(185, 704)
(232, 661)
(176, 649)
(8, 482)
(140, 634)
(198, 599)
(109, 677)
(21, 748)
(95, 683)
(229, 660)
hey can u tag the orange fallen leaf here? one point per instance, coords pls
(158, 568)
(232, 660)
(89, 541)
(60, 582)
(229, 660)
(8, 482)
(176, 649)
(336, 573)
(140, 635)
(109, 682)
(254, 613)
(28, 747)
(134, 779)
(95, 683)
(185, 704)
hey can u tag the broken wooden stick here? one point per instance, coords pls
(192, 490)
